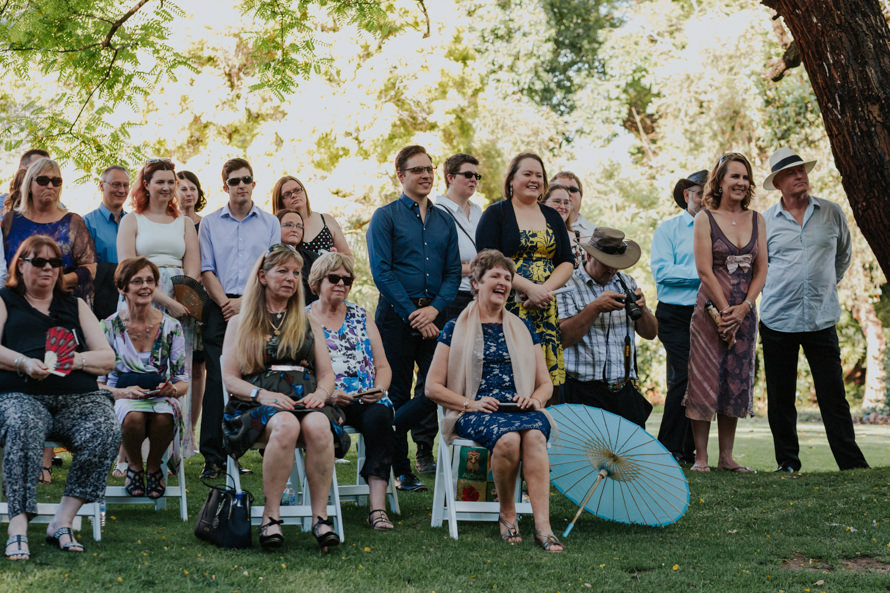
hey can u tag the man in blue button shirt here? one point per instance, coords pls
(415, 262)
(102, 224)
(676, 279)
(809, 250)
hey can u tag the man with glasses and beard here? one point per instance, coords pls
(232, 239)
(415, 262)
(103, 224)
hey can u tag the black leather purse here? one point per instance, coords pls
(224, 520)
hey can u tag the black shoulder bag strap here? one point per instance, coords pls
(457, 222)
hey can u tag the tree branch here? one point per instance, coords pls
(426, 17)
(790, 59)
(119, 22)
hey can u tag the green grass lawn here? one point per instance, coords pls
(820, 530)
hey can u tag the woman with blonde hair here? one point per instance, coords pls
(277, 371)
(321, 232)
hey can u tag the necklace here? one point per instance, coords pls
(137, 333)
(276, 328)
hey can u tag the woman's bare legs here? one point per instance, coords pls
(700, 430)
(504, 468)
(319, 444)
(281, 434)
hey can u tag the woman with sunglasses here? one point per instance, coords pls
(292, 228)
(158, 231)
(39, 400)
(290, 193)
(40, 212)
(277, 371)
(557, 197)
(362, 373)
(148, 378)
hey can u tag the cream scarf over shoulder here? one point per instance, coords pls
(465, 361)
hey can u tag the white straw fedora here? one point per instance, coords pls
(782, 159)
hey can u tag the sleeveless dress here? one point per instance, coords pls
(323, 241)
(534, 261)
(497, 382)
(164, 245)
(245, 421)
(721, 379)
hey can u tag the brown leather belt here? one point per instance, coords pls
(422, 302)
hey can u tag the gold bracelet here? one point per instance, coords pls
(466, 404)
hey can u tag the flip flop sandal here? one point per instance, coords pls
(72, 545)
(18, 540)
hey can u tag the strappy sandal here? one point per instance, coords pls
(46, 471)
(135, 484)
(273, 540)
(512, 535)
(18, 540)
(378, 520)
(328, 539)
(548, 542)
(155, 486)
(72, 545)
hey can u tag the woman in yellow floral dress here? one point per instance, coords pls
(536, 238)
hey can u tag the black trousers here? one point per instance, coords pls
(405, 349)
(627, 403)
(374, 421)
(780, 350)
(675, 432)
(210, 444)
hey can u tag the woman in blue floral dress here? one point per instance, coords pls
(488, 359)
(362, 372)
(148, 379)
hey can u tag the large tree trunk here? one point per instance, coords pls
(844, 47)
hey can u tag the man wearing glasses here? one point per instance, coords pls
(461, 178)
(232, 239)
(415, 262)
(102, 224)
(581, 225)
(676, 279)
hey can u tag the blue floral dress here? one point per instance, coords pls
(497, 382)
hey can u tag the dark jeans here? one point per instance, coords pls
(627, 402)
(212, 408)
(106, 295)
(374, 421)
(673, 331)
(780, 350)
(404, 349)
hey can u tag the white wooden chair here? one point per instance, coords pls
(297, 514)
(446, 507)
(46, 511)
(359, 491)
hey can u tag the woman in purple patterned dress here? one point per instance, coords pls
(362, 373)
(730, 253)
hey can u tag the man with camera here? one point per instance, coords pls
(599, 315)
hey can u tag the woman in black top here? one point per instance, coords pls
(36, 404)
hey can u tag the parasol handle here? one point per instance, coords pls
(602, 474)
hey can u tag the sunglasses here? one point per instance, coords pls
(336, 278)
(470, 175)
(158, 160)
(419, 170)
(572, 189)
(236, 181)
(43, 181)
(40, 262)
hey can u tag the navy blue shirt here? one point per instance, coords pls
(412, 258)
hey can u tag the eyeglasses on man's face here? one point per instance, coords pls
(419, 170)
(236, 181)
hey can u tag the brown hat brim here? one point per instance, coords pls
(619, 261)
(682, 186)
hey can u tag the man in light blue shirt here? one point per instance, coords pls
(232, 239)
(809, 250)
(676, 279)
(102, 224)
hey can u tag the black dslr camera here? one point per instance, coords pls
(630, 301)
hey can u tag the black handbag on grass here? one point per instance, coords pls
(224, 520)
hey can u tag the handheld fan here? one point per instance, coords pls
(60, 346)
(190, 293)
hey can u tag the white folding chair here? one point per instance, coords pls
(446, 507)
(295, 514)
(115, 495)
(46, 511)
(359, 491)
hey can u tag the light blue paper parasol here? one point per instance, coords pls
(614, 469)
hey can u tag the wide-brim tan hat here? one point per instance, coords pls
(697, 178)
(609, 248)
(782, 159)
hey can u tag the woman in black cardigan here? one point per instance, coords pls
(536, 238)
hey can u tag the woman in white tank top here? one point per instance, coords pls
(157, 230)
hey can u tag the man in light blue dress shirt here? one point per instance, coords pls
(809, 250)
(677, 281)
(102, 224)
(232, 239)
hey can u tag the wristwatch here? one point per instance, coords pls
(255, 393)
